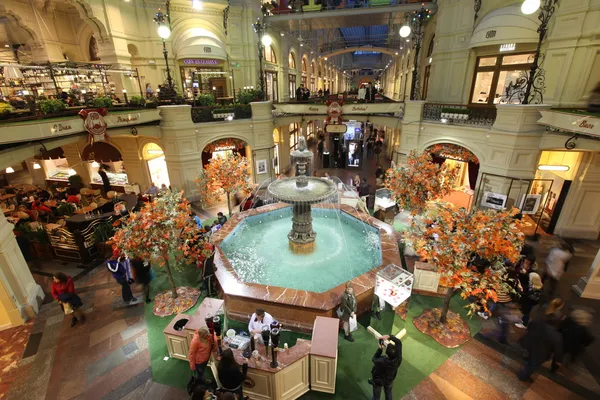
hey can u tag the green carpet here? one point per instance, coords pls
(421, 354)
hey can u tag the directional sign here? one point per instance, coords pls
(336, 128)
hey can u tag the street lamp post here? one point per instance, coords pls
(536, 77)
(264, 40)
(164, 31)
(414, 26)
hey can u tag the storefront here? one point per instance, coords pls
(203, 76)
(222, 147)
(102, 154)
(154, 156)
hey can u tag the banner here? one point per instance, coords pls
(94, 123)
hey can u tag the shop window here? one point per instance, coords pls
(304, 66)
(292, 61)
(494, 74)
(304, 81)
(272, 86)
(312, 85)
(292, 86)
(293, 136)
(270, 55)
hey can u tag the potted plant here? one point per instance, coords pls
(52, 106)
(103, 232)
(102, 102)
(41, 243)
(205, 100)
(137, 101)
(65, 209)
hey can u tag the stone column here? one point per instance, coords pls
(262, 131)
(20, 295)
(589, 286)
(411, 128)
(72, 152)
(182, 155)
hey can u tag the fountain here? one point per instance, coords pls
(329, 244)
(301, 191)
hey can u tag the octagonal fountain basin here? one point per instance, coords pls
(345, 248)
(256, 268)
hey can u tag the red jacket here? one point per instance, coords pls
(41, 207)
(199, 351)
(60, 288)
(73, 199)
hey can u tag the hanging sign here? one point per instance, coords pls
(94, 123)
(336, 128)
(201, 61)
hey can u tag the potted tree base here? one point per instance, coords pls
(41, 244)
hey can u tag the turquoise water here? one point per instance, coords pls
(345, 248)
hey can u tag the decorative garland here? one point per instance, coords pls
(453, 151)
(229, 143)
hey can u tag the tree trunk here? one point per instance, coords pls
(229, 203)
(446, 306)
(171, 281)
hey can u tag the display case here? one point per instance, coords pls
(115, 178)
(393, 287)
(385, 206)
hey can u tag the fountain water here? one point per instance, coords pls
(301, 191)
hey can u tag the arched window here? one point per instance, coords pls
(304, 66)
(312, 68)
(270, 55)
(292, 61)
(431, 44)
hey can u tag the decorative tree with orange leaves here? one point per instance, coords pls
(419, 181)
(454, 240)
(223, 176)
(161, 231)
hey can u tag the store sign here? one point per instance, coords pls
(585, 124)
(336, 128)
(58, 128)
(359, 108)
(225, 148)
(128, 118)
(201, 61)
(508, 47)
(94, 123)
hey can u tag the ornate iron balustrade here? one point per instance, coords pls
(460, 114)
(206, 114)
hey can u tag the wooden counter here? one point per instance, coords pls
(288, 381)
(323, 354)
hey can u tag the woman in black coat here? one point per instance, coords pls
(143, 275)
(230, 376)
(575, 334)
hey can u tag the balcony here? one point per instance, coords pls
(460, 114)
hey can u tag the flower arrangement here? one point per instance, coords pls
(161, 231)
(223, 176)
(454, 152)
(420, 181)
(453, 239)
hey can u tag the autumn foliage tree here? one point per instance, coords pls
(161, 231)
(452, 239)
(223, 176)
(420, 181)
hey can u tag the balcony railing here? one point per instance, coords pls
(26, 115)
(298, 6)
(460, 114)
(214, 113)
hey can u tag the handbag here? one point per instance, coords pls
(67, 308)
(352, 323)
(339, 312)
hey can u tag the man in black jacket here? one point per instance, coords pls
(385, 367)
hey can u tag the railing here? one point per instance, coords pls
(207, 113)
(460, 114)
(28, 115)
(295, 6)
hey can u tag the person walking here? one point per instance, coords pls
(530, 298)
(385, 366)
(105, 181)
(230, 376)
(348, 310)
(542, 342)
(121, 271)
(576, 335)
(143, 275)
(200, 350)
(556, 262)
(62, 290)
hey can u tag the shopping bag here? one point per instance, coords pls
(67, 308)
(353, 324)
(339, 312)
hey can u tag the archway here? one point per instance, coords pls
(467, 164)
(106, 155)
(222, 147)
(154, 156)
